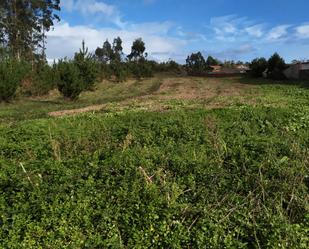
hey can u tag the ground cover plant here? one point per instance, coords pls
(222, 167)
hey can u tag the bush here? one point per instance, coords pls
(258, 67)
(140, 69)
(120, 71)
(40, 81)
(11, 75)
(70, 84)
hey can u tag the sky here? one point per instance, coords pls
(173, 29)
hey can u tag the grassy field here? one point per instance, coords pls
(167, 162)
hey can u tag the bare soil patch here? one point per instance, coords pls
(76, 111)
(206, 90)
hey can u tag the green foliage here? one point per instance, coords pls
(276, 65)
(78, 75)
(200, 179)
(212, 61)
(137, 50)
(120, 71)
(70, 83)
(87, 66)
(40, 80)
(196, 64)
(11, 75)
(23, 25)
(104, 54)
(258, 67)
(140, 69)
(112, 64)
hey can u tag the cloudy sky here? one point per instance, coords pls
(226, 29)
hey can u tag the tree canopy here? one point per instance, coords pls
(23, 24)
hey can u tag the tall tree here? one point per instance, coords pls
(117, 49)
(105, 54)
(196, 64)
(276, 66)
(137, 50)
(211, 61)
(24, 24)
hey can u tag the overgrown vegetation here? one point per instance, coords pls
(201, 179)
(273, 68)
(163, 162)
(11, 75)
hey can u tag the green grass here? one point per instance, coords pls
(235, 176)
(106, 92)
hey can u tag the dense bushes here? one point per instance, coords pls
(273, 68)
(198, 179)
(40, 80)
(11, 75)
(258, 67)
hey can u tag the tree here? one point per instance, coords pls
(117, 49)
(137, 50)
(87, 67)
(258, 67)
(211, 61)
(11, 75)
(276, 65)
(196, 64)
(23, 25)
(105, 54)
(78, 75)
(69, 84)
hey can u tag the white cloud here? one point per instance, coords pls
(255, 30)
(303, 31)
(278, 32)
(93, 8)
(65, 39)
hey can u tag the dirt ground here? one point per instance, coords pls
(206, 90)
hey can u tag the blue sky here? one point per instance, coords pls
(226, 29)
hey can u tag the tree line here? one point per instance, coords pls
(23, 64)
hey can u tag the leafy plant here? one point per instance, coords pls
(11, 75)
(70, 84)
(87, 66)
(258, 66)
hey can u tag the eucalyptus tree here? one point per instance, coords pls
(24, 23)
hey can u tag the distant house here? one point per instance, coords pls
(237, 69)
(242, 68)
(299, 71)
(216, 68)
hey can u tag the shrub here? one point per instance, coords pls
(120, 71)
(11, 75)
(70, 84)
(40, 81)
(258, 67)
(140, 69)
